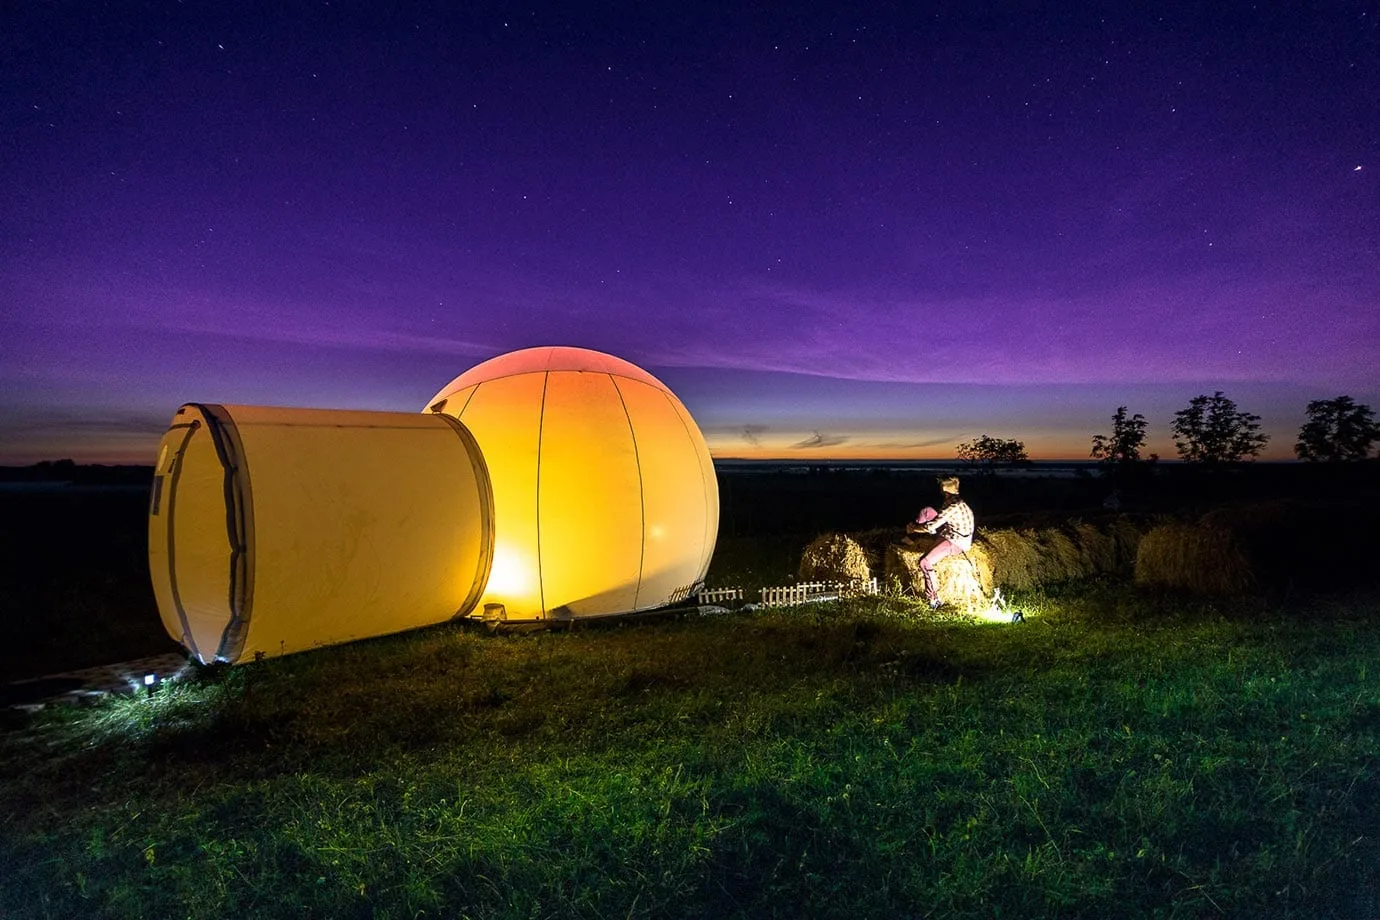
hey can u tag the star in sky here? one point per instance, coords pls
(885, 226)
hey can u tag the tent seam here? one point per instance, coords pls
(641, 494)
(541, 424)
(468, 399)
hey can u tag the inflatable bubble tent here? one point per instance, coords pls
(548, 483)
(605, 497)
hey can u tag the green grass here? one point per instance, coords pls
(1118, 754)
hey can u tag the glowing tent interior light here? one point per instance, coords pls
(605, 497)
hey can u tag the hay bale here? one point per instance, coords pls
(1096, 548)
(1016, 558)
(875, 542)
(1126, 536)
(1023, 560)
(901, 566)
(1061, 560)
(1267, 534)
(1300, 544)
(1193, 557)
(964, 579)
(834, 557)
(1019, 560)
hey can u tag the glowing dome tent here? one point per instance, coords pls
(277, 530)
(605, 498)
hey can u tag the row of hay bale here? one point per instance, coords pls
(1284, 545)
(1232, 550)
(1010, 558)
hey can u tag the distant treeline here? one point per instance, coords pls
(78, 473)
(798, 499)
(761, 498)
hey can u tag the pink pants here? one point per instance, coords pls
(941, 550)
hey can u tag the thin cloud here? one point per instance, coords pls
(1138, 330)
(913, 445)
(98, 421)
(753, 434)
(820, 439)
(96, 436)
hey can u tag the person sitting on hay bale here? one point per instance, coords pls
(953, 523)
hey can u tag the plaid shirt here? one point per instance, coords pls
(955, 523)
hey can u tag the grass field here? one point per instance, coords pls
(1119, 754)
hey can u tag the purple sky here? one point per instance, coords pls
(865, 232)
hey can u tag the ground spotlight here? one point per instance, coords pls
(150, 682)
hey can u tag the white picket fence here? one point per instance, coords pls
(786, 595)
(817, 591)
(719, 595)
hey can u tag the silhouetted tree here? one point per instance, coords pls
(1213, 431)
(989, 451)
(1337, 430)
(1123, 445)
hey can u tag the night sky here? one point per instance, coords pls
(871, 232)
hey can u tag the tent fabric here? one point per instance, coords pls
(550, 358)
(605, 496)
(274, 530)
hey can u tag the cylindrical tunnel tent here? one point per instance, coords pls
(605, 496)
(275, 530)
